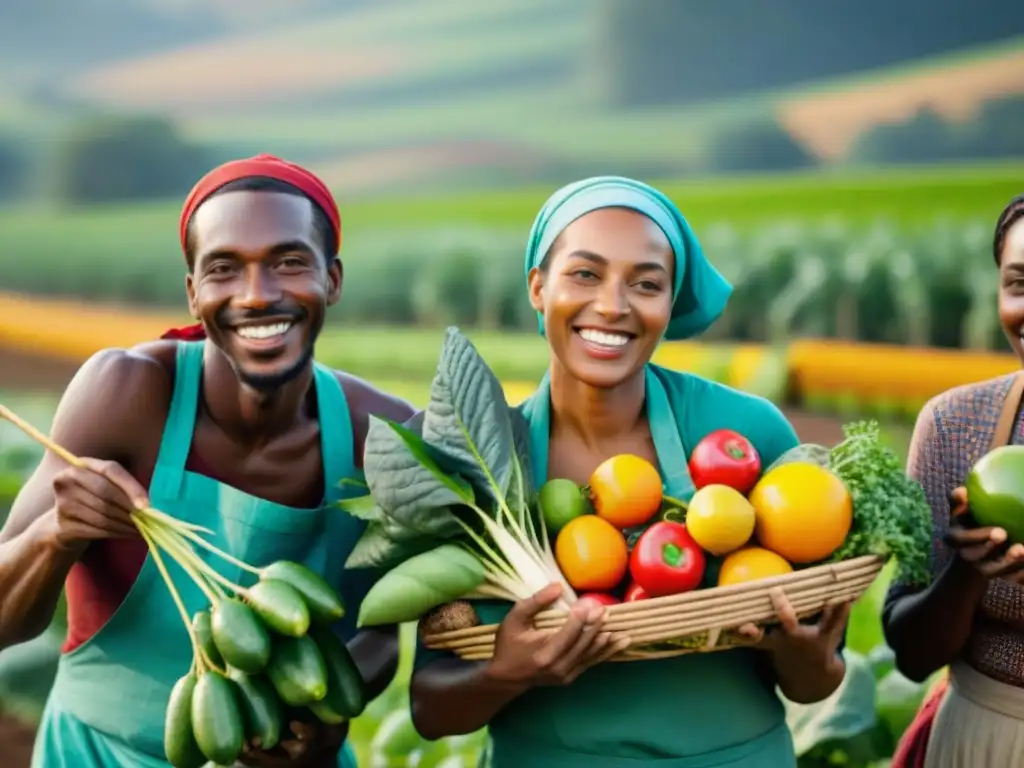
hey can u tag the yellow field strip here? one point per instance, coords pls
(72, 331)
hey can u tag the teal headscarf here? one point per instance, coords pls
(700, 293)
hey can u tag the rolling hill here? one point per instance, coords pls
(395, 91)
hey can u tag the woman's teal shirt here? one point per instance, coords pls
(692, 711)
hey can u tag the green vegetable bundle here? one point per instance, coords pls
(257, 652)
(891, 516)
(451, 508)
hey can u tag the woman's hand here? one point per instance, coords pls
(312, 745)
(805, 656)
(984, 549)
(525, 656)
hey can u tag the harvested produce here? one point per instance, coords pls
(245, 631)
(600, 597)
(720, 519)
(751, 564)
(592, 554)
(626, 490)
(634, 592)
(725, 457)
(995, 490)
(666, 560)
(560, 501)
(803, 512)
(891, 516)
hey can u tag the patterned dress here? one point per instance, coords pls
(953, 431)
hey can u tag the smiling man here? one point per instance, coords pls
(229, 424)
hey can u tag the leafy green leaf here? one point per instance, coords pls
(381, 548)
(421, 583)
(521, 493)
(362, 508)
(407, 484)
(468, 419)
(849, 711)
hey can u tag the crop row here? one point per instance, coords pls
(930, 284)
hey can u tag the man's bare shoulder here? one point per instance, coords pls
(115, 395)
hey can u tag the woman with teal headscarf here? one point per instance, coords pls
(613, 268)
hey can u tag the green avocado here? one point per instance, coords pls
(995, 490)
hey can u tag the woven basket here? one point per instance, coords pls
(694, 622)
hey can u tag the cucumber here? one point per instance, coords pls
(240, 637)
(280, 606)
(261, 710)
(346, 691)
(202, 625)
(325, 605)
(297, 671)
(217, 719)
(179, 740)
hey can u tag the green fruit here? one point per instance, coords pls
(995, 490)
(261, 709)
(240, 636)
(179, 740)
(216, 719)
(560, 501)
(346, 691)
(281, 607)
(297, 671)
(202, 625)
(325, 605)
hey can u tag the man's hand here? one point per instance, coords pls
(312, 745)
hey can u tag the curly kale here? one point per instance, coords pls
(891, 516)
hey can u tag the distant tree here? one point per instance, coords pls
(925, 138)
(115, 159)
(756, 146)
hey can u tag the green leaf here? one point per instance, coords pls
(362, 507)
(407, 484)
(849, 711)
(521, 492)
(380, 548)
(421, 583)
(468, 419)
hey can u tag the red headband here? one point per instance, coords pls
(261, 165)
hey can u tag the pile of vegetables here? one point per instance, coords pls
(452, 514)
(257, 652)
(260, 653)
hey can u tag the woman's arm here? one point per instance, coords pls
(928, 628)
(452, 697)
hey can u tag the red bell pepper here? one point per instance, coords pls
(725, 457)
(666, 560)
(599, 597)
(634, 592)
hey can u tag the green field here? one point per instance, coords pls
(895, 256)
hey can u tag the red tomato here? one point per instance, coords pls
(599, 597)
(633, 593)
(666, 560)
(725, 457)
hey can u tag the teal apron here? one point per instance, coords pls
(107, 705)
(692, 711)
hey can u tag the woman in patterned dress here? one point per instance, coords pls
(971, 616)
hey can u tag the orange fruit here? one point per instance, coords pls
(720, 519)
(591, 554)
(803, 512)
(625, 490)
(750, 564)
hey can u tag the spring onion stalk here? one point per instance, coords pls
(524, 563)
(200, 661)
